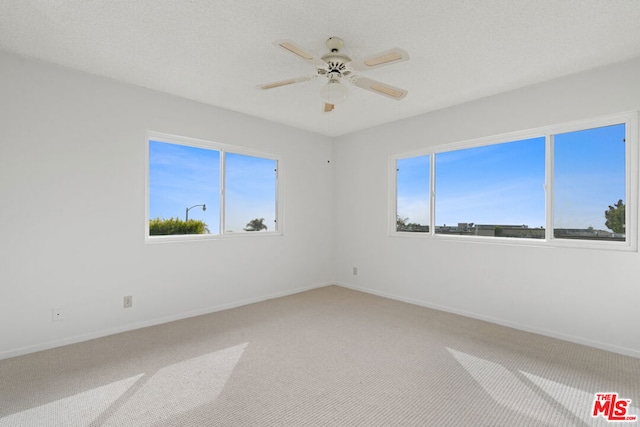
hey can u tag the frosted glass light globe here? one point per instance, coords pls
(334, 92)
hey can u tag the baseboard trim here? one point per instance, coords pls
(167, 319)
(153, 322)
(548, 333)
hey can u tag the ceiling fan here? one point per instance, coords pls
(337, 67)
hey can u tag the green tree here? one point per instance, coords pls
(256, 224)
(171, 226)
(615, 217)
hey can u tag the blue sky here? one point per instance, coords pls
(181, 176)
(589, 175)
(503, 183)
(413, 189)
(495, 184)
(250, 191)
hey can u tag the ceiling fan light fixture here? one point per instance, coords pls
(334, 92)
(337, 67)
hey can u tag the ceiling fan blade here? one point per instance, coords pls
(388, 57)
(301, 53)
(286, 82)
(328, 107)
(379, 87)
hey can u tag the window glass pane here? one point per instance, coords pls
(412, 214)
(589, 184)
(183, 181)
(250, 193)
(494, 190)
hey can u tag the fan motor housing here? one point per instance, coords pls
(335, 60)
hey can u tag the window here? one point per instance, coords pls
(250, 193)
(183, 182)
(198, 189)
(413, 194)
(589, 184)
(493, 190)
(562, 185)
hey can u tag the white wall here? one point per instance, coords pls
(586, 296)
(72, 216)
(72, 156)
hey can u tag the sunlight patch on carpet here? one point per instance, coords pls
(73, 410)
(178, 388)
(506, 389)
(141, 400)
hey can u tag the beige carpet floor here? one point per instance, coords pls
(327, 357)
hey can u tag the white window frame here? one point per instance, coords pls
(222, 149)
(630, 119)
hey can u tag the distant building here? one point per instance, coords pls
(508, 230)
(586, 233)
(523, 231)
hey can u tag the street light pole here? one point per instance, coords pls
(186, 216)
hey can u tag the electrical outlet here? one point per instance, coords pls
(355, 271)
(128, 301)
(57, 314)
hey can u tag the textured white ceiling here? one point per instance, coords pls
(217, 51)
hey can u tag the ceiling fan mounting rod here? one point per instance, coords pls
(334, 44)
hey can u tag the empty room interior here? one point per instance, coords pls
(319, 213)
